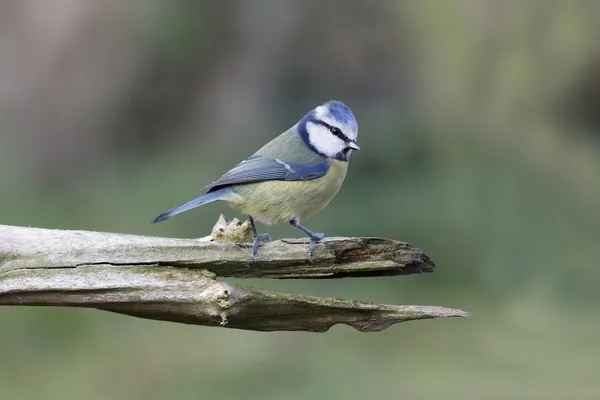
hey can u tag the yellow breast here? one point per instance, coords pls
(279, 201)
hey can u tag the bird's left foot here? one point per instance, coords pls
(314, 238)
(258, 239)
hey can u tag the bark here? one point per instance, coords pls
(176, 279)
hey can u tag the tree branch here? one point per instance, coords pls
(175, 279)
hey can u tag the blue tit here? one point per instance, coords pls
(293, 176)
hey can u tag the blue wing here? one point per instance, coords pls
(259, 169)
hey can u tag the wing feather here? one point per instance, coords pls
(259, 169)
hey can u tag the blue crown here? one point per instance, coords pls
(341, 112)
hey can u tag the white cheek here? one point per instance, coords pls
(323, 140)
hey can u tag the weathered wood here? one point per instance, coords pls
(175, 279)
(333, 258)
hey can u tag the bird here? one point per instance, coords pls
(292, 177)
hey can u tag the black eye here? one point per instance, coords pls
(336, 131)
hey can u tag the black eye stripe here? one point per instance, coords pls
(334, 130)
(337, 132)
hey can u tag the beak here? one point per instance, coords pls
(353, 145)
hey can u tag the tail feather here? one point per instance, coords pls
(198, 201)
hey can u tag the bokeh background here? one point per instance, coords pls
(479, 127)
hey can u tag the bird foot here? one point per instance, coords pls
(258, 239)
(316, 237)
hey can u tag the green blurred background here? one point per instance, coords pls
(479, 127)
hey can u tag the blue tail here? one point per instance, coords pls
(198, 201)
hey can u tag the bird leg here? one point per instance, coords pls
(314, 237)
(257, 237)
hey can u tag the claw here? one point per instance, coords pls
(313, 243)
(314, 237)
(258, 239)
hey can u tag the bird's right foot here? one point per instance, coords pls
(258, 239)
(314, 239)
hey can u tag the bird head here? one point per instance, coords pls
(330, 130)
